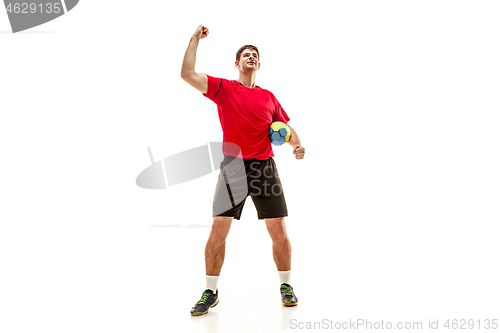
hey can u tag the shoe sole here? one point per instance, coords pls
(290, 303)
(202, 313)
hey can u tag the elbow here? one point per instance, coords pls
(186, 75)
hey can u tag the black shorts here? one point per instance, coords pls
(240, 178)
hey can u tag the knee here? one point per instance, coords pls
(279, 237)
(220, 229)
(277, 230)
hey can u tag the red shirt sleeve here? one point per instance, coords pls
(279, 114)
(214, 88)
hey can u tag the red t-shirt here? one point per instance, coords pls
(245, 115)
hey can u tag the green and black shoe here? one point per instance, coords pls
(208, 300)
(287, 296)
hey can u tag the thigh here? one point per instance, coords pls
(231, 189)
(267, 192)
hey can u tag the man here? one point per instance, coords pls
(245, 111)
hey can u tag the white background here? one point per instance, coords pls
(393, 213)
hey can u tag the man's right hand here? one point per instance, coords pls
(201, 32)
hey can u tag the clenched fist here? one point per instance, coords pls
(299, 152)
(201, 32)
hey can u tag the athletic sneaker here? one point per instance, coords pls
(287, 296)
(208, 300)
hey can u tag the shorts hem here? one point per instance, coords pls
(274, 216)
(222, 215)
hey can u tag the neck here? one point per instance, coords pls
(248, 80)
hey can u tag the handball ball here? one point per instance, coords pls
(279, 133)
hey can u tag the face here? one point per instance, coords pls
(249, 61)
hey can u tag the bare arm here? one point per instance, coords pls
(188, 74)
(294, 141)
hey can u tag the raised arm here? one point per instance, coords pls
(188, 74)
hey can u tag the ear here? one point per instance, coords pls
(259, 66)
(237, 64)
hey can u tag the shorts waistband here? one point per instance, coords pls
(229, 158)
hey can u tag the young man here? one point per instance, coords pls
(245, 111)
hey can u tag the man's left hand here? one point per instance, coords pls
(299, 152)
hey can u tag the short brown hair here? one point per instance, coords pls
(243, 48)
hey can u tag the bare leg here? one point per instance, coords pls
(216, 244)
(282, 249)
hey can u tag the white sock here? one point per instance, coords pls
(284, 276)
(212, 282)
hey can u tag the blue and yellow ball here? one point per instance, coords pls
(279, 133)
